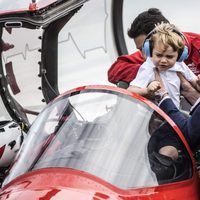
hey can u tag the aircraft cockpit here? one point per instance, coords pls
(105, 133)
(92, 142)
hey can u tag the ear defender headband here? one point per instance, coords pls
(147, 45)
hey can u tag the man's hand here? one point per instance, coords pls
(198, 83)
(187, 90)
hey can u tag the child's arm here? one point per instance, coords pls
(148, 91)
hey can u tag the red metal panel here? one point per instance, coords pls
(60, 183)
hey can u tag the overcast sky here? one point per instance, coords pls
(184, 14)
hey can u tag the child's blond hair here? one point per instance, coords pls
(169, 35)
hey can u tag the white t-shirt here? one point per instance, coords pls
(169, 77)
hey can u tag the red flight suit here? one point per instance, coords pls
(126, 66)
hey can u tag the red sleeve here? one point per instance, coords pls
(125, 68)
(193, 60)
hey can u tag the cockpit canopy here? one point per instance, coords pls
(103, 131)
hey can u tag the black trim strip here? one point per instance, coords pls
(117, 16)
(14, 109)
(49, 64)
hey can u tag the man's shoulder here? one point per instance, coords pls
(191, 35)
(193, 60)
(193, 39)
(134, 57)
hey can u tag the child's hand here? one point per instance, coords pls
(153, 87)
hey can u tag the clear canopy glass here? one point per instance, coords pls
(101, 132)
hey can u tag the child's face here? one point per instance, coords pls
(163, 58)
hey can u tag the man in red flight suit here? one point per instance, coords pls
(126, 66)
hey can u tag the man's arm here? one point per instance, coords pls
(179, 118)
(187, 90)
(196, 83)
(125, 68)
